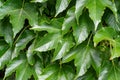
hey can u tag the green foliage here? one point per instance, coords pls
(59, 39)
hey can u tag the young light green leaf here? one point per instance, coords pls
(48, 42)
(106, 33)
(116, 48)
(61, 5)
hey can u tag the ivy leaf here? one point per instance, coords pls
(53, 26)
(70, 55)
(38, 67)
(106, 33)
(62, 49)
(69, 20)
(57, 73)
(22, 41)
(19, 11)
(24, 71)
(61, 5)
(12, 67)
(48, 42)
(30, 54)
(83, 60)
(82, 30)
(80, 4)
(111, 21)
(96, 9)
(116, 48)
(109, 71)
(5, 53)
(6, 31)
(40, 1)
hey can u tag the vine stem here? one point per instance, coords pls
(20, 34)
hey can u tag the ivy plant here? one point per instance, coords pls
(59, 39)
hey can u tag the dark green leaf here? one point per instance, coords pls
(6, 31)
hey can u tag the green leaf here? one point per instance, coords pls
(24, 71)
(38, 67)
(47, 42)
(88, 75)
(5, 58)
(19, 11)
(30, 54)
(79, 6)
(82, 30)
(111, 21)
(61, 5)
(55, 72)
(45, 27)
(106, 33)
(84, 59)
(53, 26)
(116, 48)
(62, 48)
(109, 71)
(12, 67)
(69, 20)
(5, 54)
(70, 56)
(22, 41)
(6, 31)
(40, 1)
(96, 9)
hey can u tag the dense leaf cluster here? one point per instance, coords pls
(59, 39)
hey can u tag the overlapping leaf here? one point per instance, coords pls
(5, 54)
(84, 59)
(19, 11)
(82, 30)
(62, 48)
(57, 73)
(48, 42)
(96, 9)
(61, 5)
(22, 41)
